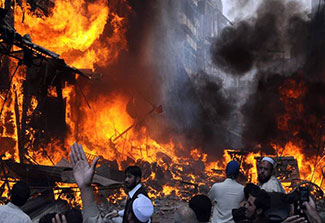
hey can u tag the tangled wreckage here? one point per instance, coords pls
(41, 115)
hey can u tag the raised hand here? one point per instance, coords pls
(82, 172)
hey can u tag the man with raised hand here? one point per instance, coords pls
(139, 208)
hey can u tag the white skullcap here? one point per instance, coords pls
(142, 208)
(268, 159)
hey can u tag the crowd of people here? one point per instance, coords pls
(226, 202)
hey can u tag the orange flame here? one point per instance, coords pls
(74, 30)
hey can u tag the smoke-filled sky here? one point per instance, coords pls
(281, 42)
(239, 9)
(237, 103)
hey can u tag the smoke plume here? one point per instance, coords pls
(282, 43)
(263, 42)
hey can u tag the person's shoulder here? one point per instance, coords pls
(272, 180)
(3, 208)
(24, 215)
(28, 219)
(234, 183)
(217, 185)
(20, 214)
(240, 186)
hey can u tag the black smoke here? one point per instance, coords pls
(260, 42)
(285, 47)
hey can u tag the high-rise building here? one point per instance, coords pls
(200, 21)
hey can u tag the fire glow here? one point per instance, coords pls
(75, 30)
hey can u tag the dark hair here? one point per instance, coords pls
(47, 218)
(20, 193)
(252, 189)
(262, 200)
(201, 205)
(73, 215)
(133, 170)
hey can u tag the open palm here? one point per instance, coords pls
(82, 172)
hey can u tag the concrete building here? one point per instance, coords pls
(200, 21)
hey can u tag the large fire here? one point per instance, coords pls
(76, 30)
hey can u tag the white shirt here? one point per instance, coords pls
(11, 213)
(131, 193)
(272, 185)
(225, 196)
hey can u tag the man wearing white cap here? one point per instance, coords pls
(266, 180)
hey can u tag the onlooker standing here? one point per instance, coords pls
(266, 180)
(227, 195)
(11, 212)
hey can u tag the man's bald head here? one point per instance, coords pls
(185, 214)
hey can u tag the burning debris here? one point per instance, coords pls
(151, 106)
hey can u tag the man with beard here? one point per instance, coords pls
(266, 180)
(136, 194)
(139, 208)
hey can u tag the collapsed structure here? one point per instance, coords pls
(43, 112)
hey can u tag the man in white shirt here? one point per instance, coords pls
(226, 195)
(11, 212)
(266, 180)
